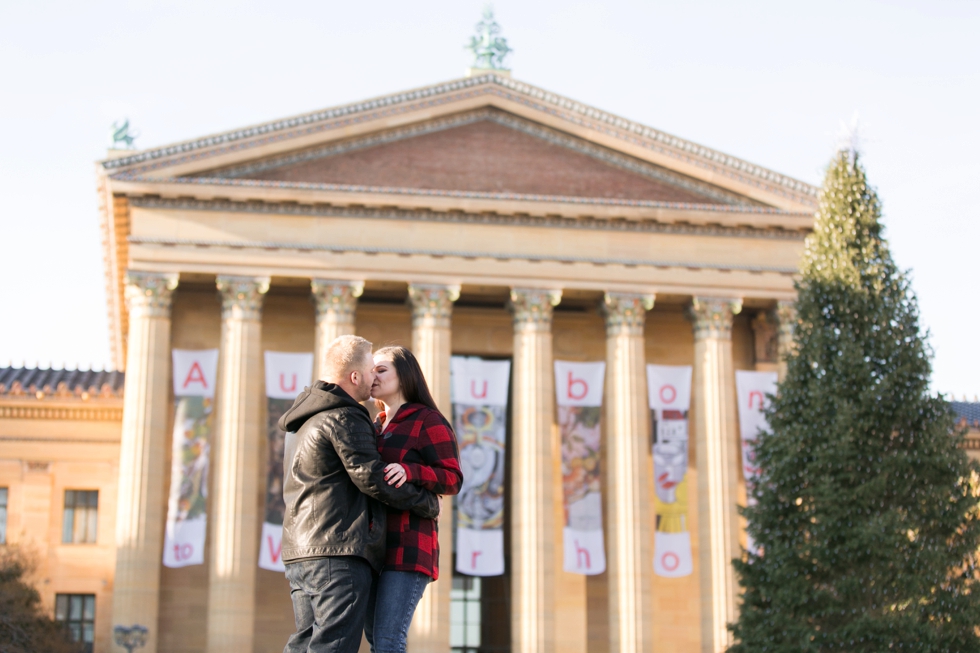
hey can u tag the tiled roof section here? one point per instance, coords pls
(967, 413)
(512, 89)
(24, 381)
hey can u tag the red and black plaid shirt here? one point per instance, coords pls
(423, 442)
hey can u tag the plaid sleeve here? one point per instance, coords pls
(441, 472)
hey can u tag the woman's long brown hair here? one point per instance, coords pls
(414, 388)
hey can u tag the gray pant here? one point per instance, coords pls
(330, 601)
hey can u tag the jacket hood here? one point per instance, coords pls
(315, 399)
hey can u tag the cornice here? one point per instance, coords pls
(644, 226)
(100, 410)
(687, 152)
(468, 254)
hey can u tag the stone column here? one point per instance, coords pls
(143, 450)
(627, 470)
(235, 474)
(432, 308)
(534, 442)
(335, 303)
(786, 317)
(717, 450)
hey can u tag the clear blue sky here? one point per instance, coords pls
(766, 81)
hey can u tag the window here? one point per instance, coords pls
(77, 613)
(3, 515)
(81, 517)
(464, 614)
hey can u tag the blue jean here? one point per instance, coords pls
(330, 601)
(391, 608)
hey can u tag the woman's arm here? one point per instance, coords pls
(441, 472)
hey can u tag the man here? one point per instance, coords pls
(334, 528)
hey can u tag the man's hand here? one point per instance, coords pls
(395, 475)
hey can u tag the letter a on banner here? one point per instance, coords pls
(195, 373)
(286, 375)
(669, 389)
(479, 389)
(578, 387)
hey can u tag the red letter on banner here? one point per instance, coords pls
(572, 382)
(753, 395)
(195, 378)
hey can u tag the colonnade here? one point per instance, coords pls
(534, 438)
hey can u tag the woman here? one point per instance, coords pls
(420, 447)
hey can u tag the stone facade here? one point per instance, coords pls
(481, 217)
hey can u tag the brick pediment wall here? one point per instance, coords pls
(482, 156)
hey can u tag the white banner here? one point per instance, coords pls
(195, 374)
(578, 389)
(752, 389)
(286, 375)
(479, 394)
(669, 390)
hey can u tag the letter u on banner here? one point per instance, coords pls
(195, 373)
(669, 389)
(578, 388)
(479, 392)
(286, 375)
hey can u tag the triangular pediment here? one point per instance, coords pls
(483, 151)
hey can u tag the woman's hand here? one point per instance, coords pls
(395, 475)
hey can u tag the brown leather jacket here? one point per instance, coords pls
(333, 480)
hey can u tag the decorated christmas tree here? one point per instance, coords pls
(866, 511)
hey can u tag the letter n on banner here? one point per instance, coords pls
(752, 389)
(669, 389)
(578, 387)
(479, 389)
(195, 373)
(286, 375)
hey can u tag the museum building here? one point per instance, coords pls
(482, 218)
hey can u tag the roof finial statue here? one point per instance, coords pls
(120, 138)
(488, 49)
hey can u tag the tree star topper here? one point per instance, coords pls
(488, 49)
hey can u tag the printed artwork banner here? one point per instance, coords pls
(669, 389)
(752, 390)
(195, 373)
(479, 394)
(578, 388)
(286, 374)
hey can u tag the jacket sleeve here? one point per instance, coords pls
(358, 450)
(441, 472)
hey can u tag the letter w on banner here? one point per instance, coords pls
(195, 373)
(285, 377)
(752, 389)
(479, 389)
(579, 393)
(669, 389)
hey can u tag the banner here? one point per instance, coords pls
(669, 390)
(751, 389)
(195, 373)
(285, 377)
(578, 388)
(479, 392)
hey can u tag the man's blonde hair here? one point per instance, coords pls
(344, 354)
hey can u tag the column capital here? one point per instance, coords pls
(150, 294)
(625, 313)
(533, 307)
(241, 297)
(432, 304)
(335, 301)
(712, 316)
